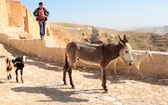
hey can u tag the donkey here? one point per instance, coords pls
(100, 55)
(137, 59)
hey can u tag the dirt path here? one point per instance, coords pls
(43, 86)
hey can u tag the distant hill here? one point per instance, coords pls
(66, 32)
(159, 30)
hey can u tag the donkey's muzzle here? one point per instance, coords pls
(129, 63)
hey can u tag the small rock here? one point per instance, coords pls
(82, 93)
(120, 87)
(160, 90)
(92, 99)
(117, 103)
(108, 98)
(109, 77)
(166, 82)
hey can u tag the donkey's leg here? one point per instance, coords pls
(72, 63)
(138, 70)
(66, 66)
(128, 70)
(16, 71)
(103, 76)
(21, 72)
(64, 75)
(115, 63)
(70, 76)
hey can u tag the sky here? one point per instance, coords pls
(115, 14)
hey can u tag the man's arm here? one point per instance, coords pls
(35, 12)
(46, 12)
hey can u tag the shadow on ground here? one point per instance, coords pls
(121, 76)
(53, 93)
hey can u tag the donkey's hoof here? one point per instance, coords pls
(22, 81)
(106, 90)
(73, 87)
(65, 83)
(8, 77)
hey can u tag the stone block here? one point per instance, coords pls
(39, 42)
(167, 60)
(4, 38)
(146, 68)
(158, 59)
(26, 49)
(28, 42)
(120, 65)
(59, 54)
(4, 13)
(160, 68)
(40, 50)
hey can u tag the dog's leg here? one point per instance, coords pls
(10, 76)
(8, 69)
(21, 72)
(16, 75)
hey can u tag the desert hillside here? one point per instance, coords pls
(66, 32)
(163, 30)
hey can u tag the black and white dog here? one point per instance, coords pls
(17, 63)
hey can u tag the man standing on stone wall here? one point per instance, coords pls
(41, 15)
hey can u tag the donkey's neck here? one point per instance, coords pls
(111, 52)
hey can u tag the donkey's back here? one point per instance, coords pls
(90, 54)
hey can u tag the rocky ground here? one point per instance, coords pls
(43, 86)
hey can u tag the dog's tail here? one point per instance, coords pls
(23, 59)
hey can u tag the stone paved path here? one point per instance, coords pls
(43, 86)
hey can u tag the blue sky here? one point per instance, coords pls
(116, 14)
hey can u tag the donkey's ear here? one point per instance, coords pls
(124, 36)
(125, 39)
(119, 37)
(150, 49)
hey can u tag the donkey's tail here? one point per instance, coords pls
(66, 62)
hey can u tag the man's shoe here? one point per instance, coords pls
(42, 37)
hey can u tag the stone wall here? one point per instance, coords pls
(157, 68)
(3, 14)
(31, 25)
(15, 12)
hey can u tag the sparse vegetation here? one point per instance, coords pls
(138, 40)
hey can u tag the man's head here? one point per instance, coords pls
(40, 4)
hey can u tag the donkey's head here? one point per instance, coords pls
(126, 51)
